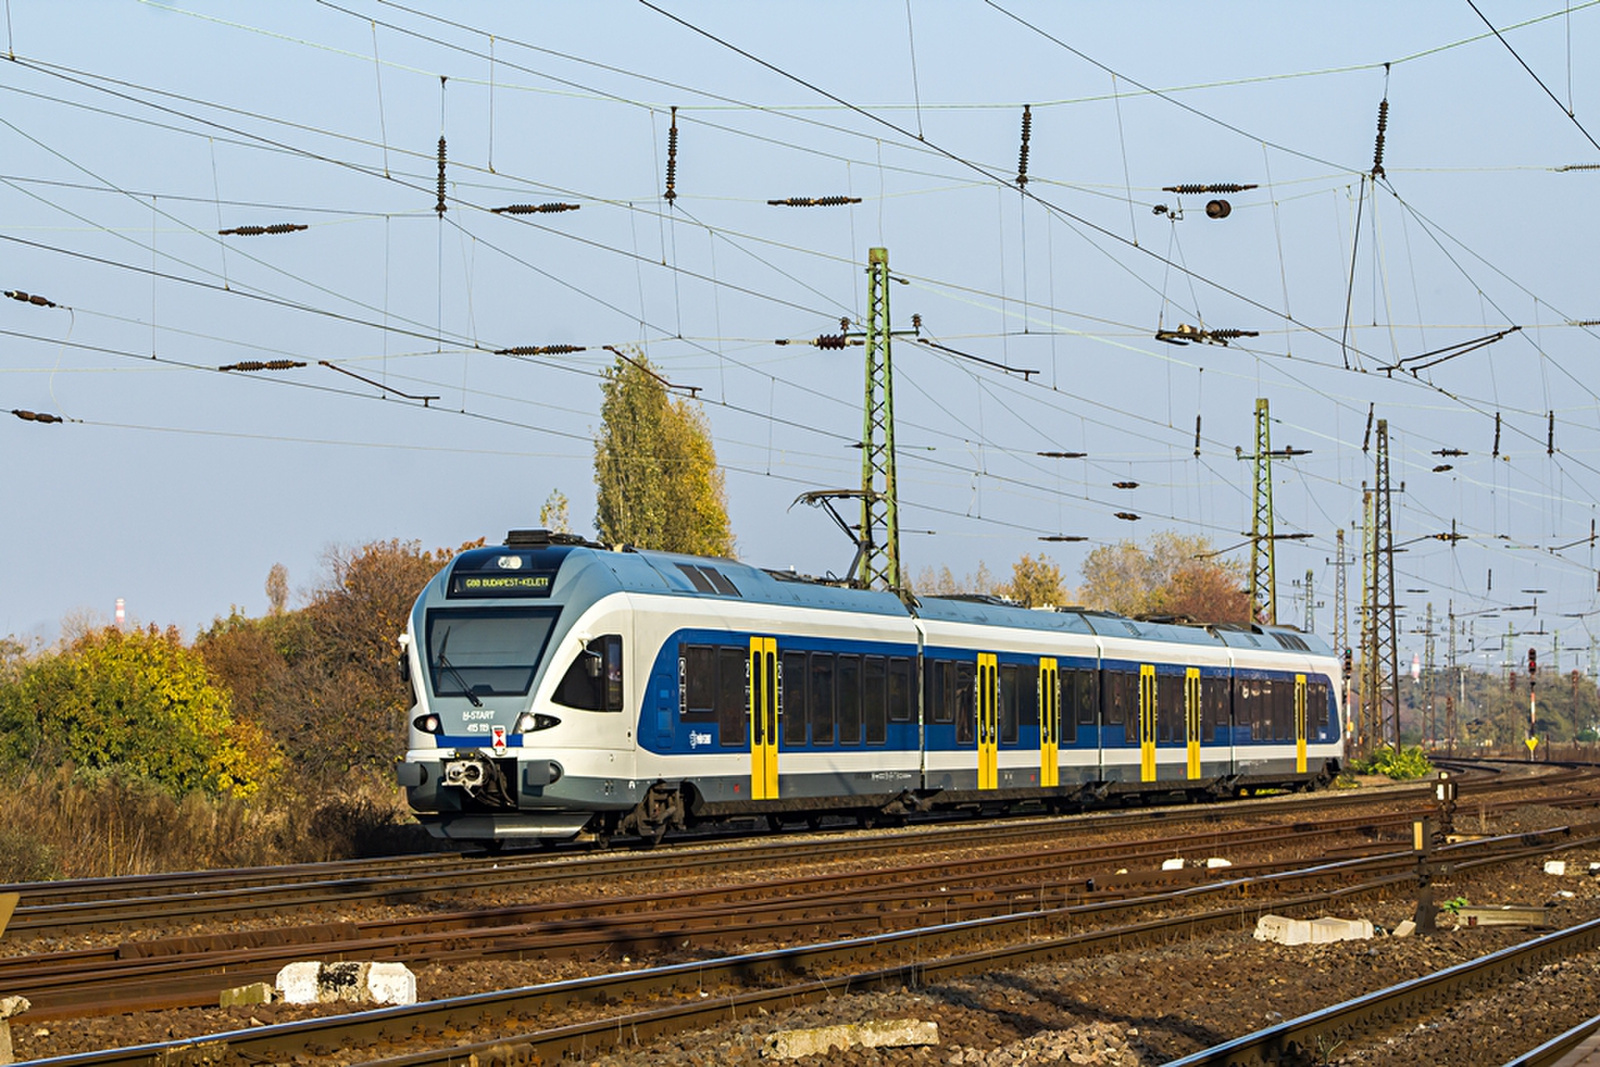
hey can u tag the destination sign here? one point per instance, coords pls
(501, 585)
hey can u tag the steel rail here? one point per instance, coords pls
(913, 953)
(70, 915)
(114, 979)
(345, 880)
(1374, 1012)
(1555, 1050)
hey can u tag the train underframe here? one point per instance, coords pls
(486, 799)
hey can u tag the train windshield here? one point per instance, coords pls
(478, 652)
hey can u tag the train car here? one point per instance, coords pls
(562, 687)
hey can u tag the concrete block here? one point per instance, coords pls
(1217, 861)
(13, 1006)
(1283, 930)
(1328, 929)
(254, 993)
(1555, 867)
(1504, 915)
(311, 982)
(1175, 864)
(891, 1033)
(392, 983)
(1405, 929)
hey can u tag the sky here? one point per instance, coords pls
(132, 132)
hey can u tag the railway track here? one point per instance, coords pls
(62, 908)
(701, 993)
(189, 971)
(1305, 1039)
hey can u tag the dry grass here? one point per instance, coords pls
(63, 824)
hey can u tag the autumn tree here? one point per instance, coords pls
(555, 514)
(139, 703)
(656, 471)
(1035, 582)
(277, 589)
(941, 581)
(324, 680)
(1172, 574)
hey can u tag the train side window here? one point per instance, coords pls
(901, 699)
(874, 712)
(698, 694)
(933, 690)
(1087, 696)
(1170, 708)
(1008, 704)
(1119, 686)
(733, 695)
(820, 698)
(1283, 708)
(1028, 695)
(1261, 709)
(1214, 711)
(1068, 681)
(965, 710)
(849, 700)
(793, 711)
(594, 680)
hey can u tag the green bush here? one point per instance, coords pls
(1402, 766)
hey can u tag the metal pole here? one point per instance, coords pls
(880, 510)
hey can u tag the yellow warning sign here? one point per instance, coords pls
(1532, 743)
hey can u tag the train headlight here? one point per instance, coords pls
(528, 722)
(428, 724)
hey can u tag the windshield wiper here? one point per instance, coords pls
(462, 682)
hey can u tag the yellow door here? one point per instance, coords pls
(763, 718)
(1049, 723)
(1191, 718)
(1300, 723)
(1147, 722)
(988, 721)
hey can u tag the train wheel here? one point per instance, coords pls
(813, 822)
(775, 823)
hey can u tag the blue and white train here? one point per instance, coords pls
(562, 687)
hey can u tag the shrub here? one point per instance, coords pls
(1402, 766)
(138, 703)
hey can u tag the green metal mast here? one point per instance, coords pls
(880, 511)
(1263, 566)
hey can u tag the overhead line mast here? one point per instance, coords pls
(880, 562)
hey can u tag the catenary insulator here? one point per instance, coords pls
(257, 231)
(672, 158)
(1233, 335)
(30, 298)
(534, 209)
(1218, 209)
(439, 205)
(1377, 147)
(1022, 153)
(1193, 189)
(814, 201)
(270, 364)
(540, 350)
(36, 416)
(831, 340)
(1127, 516)
(1126, 485)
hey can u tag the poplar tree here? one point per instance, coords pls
(655, 468)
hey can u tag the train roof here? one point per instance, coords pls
(602, 570)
